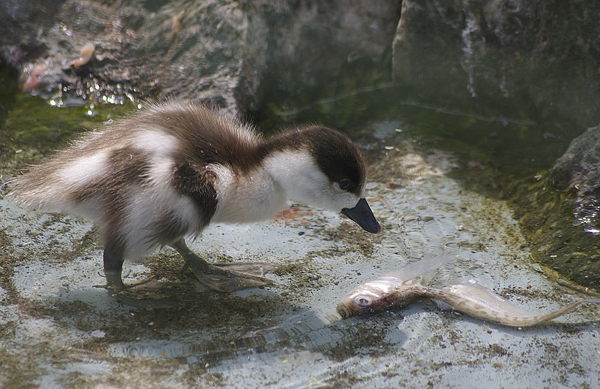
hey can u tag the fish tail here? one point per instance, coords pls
(539, 319)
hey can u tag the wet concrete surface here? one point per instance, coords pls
(58, 329)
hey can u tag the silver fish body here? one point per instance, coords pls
(470, 299)
(400, 287)
(378, 295)
(477, 301)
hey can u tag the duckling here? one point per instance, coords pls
(167, 172)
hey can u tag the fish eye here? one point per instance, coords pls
(362, 301)
(345, 184)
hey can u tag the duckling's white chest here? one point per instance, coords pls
(245, 199)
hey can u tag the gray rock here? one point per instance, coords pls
(517, 56)
(308, 44)
(227, 54)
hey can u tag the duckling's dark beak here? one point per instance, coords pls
(362, 215)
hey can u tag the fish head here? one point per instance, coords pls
(370, 297)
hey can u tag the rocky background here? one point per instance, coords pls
(234, 53)
(490, 57)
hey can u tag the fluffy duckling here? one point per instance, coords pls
(167, 172)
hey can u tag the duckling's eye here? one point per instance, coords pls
(345, 184)
(362, 301)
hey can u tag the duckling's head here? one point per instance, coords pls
(323, 168)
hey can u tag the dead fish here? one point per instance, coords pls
(396, 289)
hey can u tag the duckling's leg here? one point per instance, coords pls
(219, 279)
(113, 266)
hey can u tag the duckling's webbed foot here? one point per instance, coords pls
(225, 278)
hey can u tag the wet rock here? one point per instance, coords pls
(489, 55)
(579, 170)
(141, 48)
(216, 52)
(512, 56)
(307, 45)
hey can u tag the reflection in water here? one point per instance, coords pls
(393, 89)
(303, 331)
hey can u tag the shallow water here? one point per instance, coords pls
(58, 330)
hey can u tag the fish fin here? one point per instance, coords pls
(414, 281)
(444, 306)
(427, 264)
